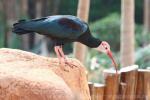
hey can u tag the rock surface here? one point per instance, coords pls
(26, 76)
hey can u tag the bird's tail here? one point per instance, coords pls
(17, 28)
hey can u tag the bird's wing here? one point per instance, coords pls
(58, 27)
(72, 28)
(71, 24)
(31, 25)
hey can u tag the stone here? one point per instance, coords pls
(27, 76)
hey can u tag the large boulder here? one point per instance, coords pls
(27, 76)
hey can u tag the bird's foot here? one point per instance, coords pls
(63, 68)
(69, 63)
(64, 62)
(62, 65)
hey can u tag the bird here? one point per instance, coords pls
(62, 29)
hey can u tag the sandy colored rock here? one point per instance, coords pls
(27, 76)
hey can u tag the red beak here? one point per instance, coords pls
(109, 53)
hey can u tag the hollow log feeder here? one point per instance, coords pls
(112, 84)
(129, 77)
(98, 91)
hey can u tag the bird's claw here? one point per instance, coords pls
(68, 63)
(62, 66)
(71, 65)
(66, 70)
(64, 63)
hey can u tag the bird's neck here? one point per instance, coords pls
(89, 40)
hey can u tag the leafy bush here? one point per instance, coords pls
(108, 29)
(143, 57)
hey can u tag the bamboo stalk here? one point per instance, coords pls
(98, 91)
(112, 84)
(145, 92)
(147, 85)
(140, 95)
(122, 91)
(83, 13)
(129, 77)
(91, 87)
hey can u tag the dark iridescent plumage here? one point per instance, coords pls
(60, 28)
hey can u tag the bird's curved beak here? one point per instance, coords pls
(109, 53)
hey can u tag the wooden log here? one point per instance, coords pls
(140, 94)
(122, 91)
(147, 84)
(98, 91)
(91, 89)
(112, 84)
(143, 86)
(129, 77)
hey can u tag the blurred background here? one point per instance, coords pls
(125, 24)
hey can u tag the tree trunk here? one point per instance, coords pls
(53, 9)
(40, 39)
(46, 7)
(146, 20)
(9, 17)
(32, 14)
(112, 84)
(140, 89)
(127, 33)
(2, 34)
(38, 3)
(83, 13)
(99, 91)
(91, 90)
(55, 6)
(23, 13)
(129, 76)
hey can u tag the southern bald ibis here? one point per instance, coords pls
(62, 29)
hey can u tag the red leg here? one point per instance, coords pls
(61, 60)
(56, 48)
(64, 57)
(61, 52)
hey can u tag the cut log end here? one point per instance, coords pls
(129, 68)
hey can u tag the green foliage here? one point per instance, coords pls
(140, 37)
(15, 41)
(1, 32)
(1, 39)
(100, 8)
(1, 36)
(68, 7)
(139, 11)
(108, 29)
(143, 57)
